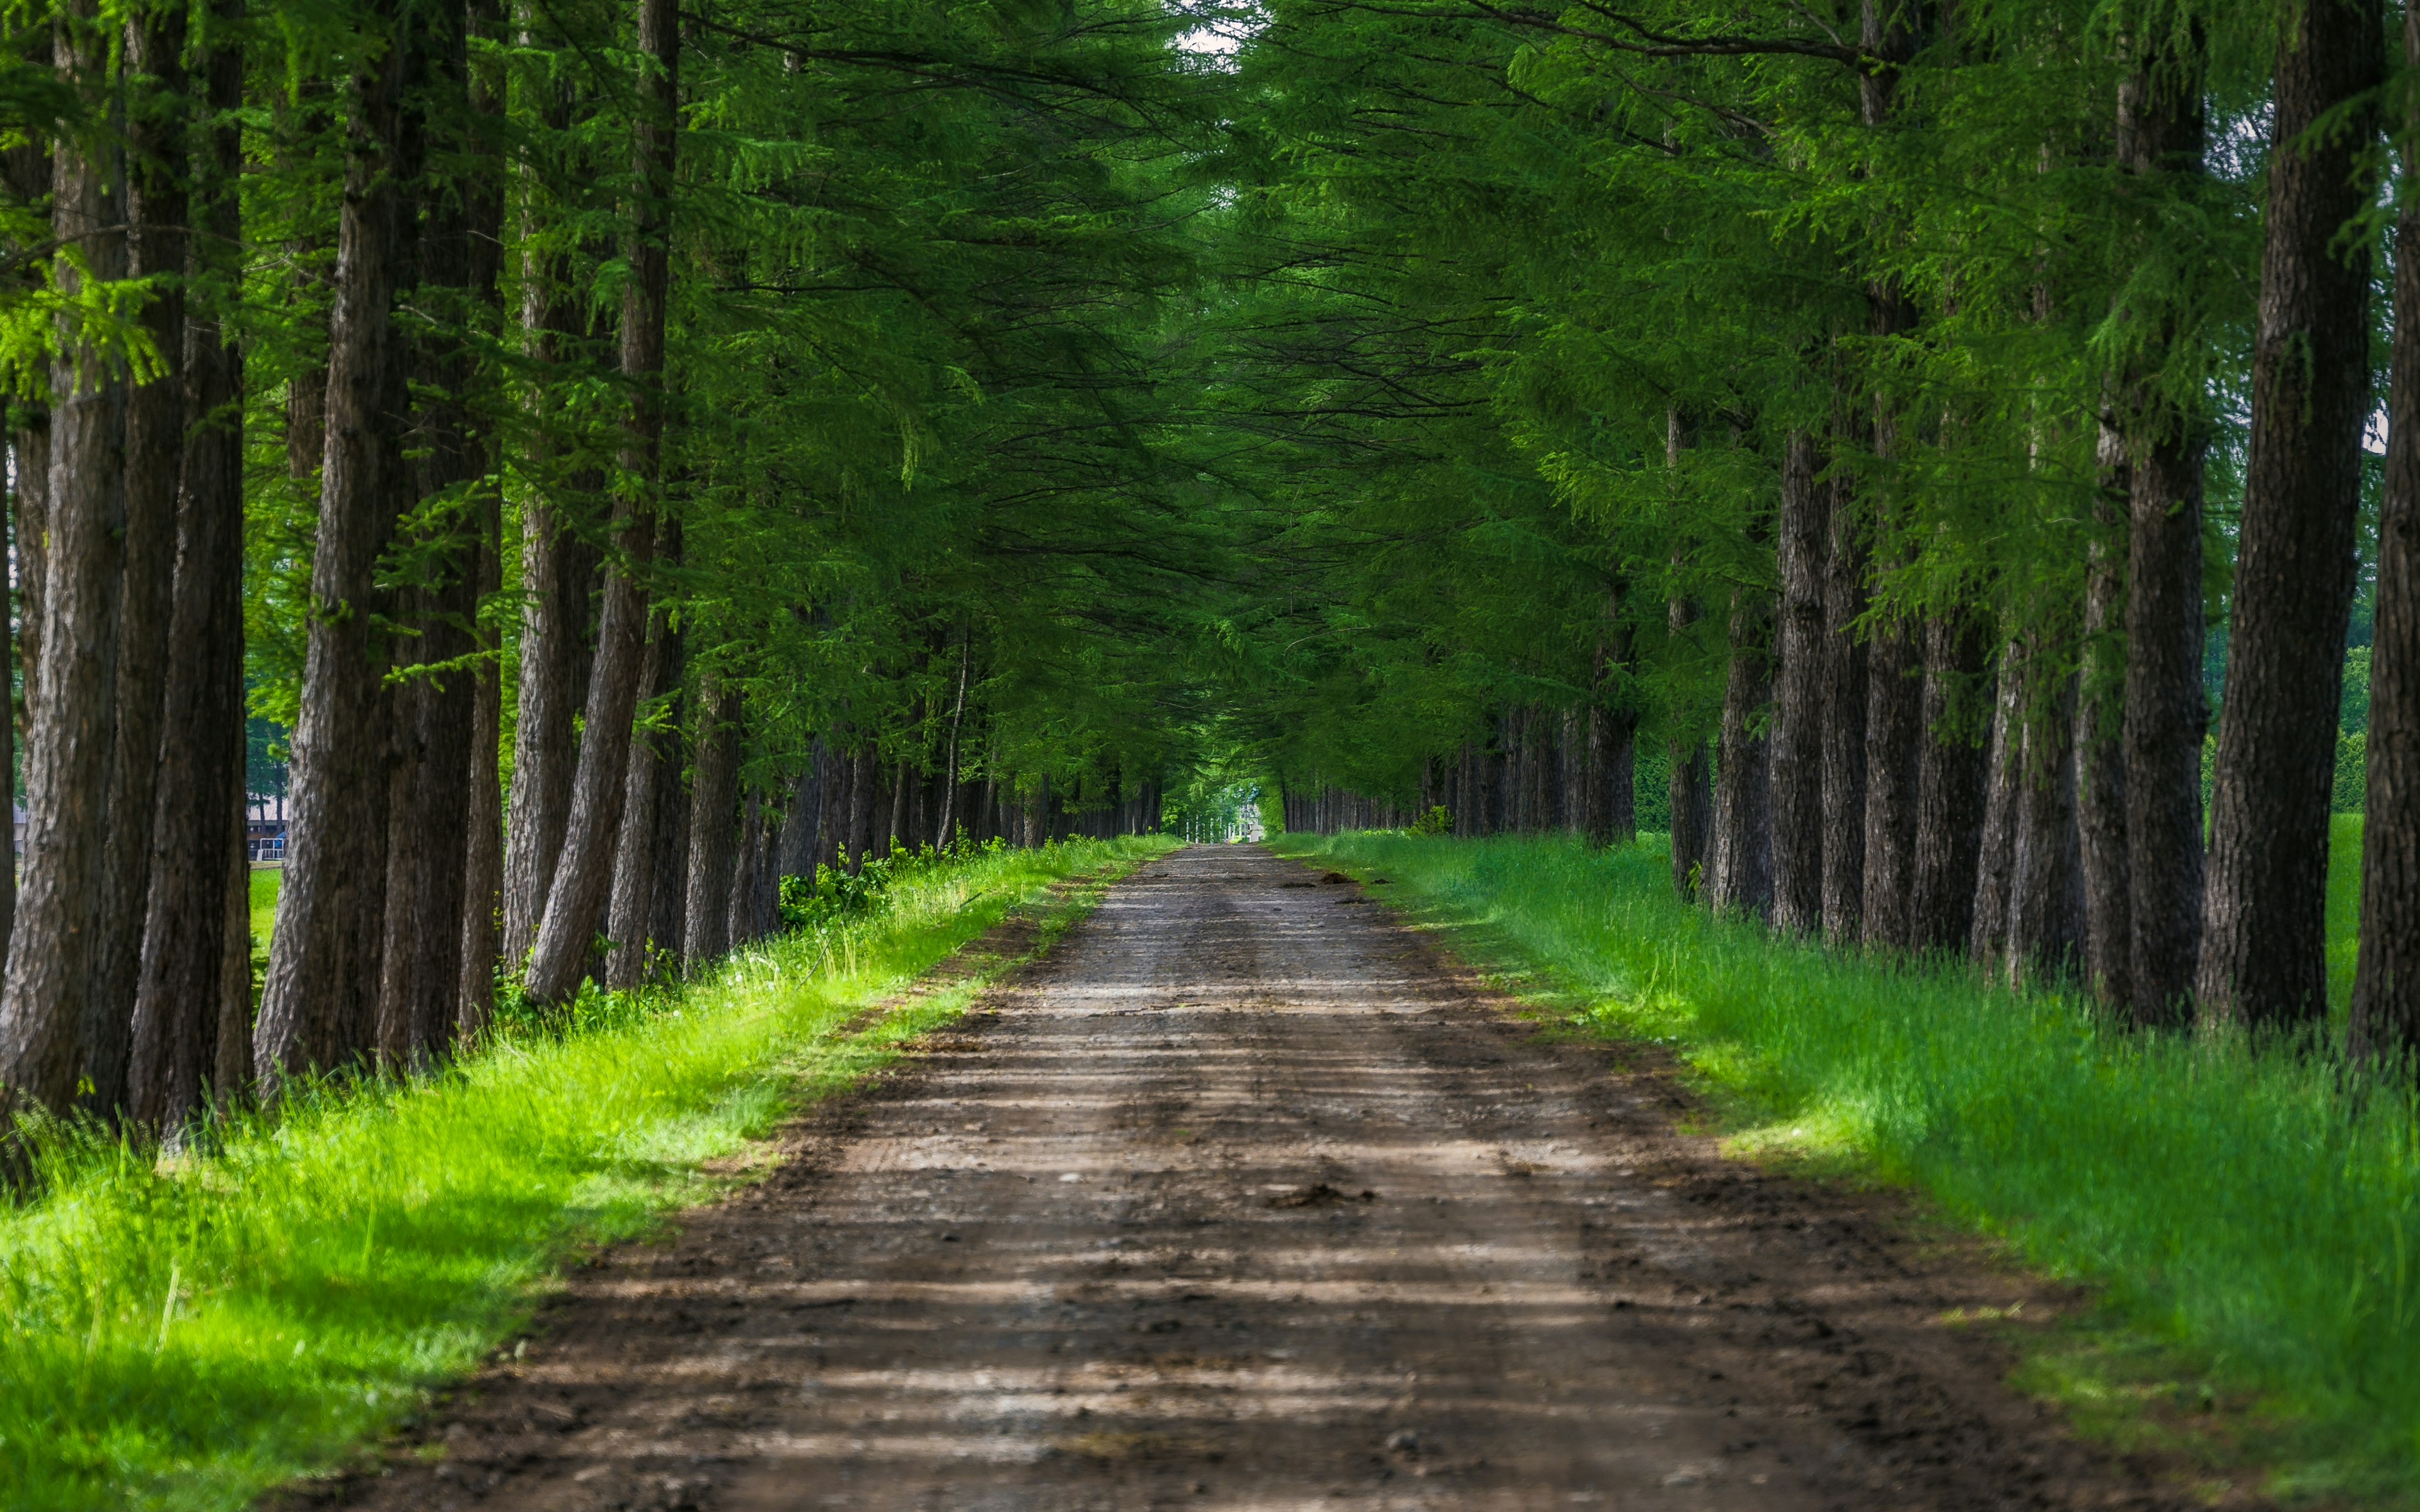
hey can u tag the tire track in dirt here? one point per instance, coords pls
(1242, 1197)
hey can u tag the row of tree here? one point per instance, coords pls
(1906, 416)
(638, 455)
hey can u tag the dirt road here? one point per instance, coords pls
(1240, 1199)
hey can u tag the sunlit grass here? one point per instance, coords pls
(183, 1332)
(2257, 1213)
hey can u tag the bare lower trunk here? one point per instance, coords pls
(2264, 916)
(1844, 725)
(1894, 760)
(575, 904)
(1950, 782)
(1692, 799)
(803, 825)
(230, 1060)
(323, 965)
(1739, 873)
(2386, 978)
(669, 919)
(655, 760)
(178, 1016)
(475, 1001)
(73, 717)
(155, 445)
(551, 606)
(1995, 865)
(861, 805)
(714, 802)
(2046, 903)
(2162, 131)
(739, 907)
(1797, 749)
(428, 829)
(2100, 746)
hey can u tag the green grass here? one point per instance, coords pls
(2250, 1219)
(184, 1333)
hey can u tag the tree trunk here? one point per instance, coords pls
(2100, 743)
(28, 534)
(576, 898)
(72, 717)
(1995, 864)
(1894, 759)
(862, 802)
(1797, 749)
(323, 968)
(27, 170)
(802, 826)
(483, 854)
(714, 802)
(428, 827)
(199, 802)
(1844, 724)
(740, 911)
(555, 568)
(157, 210)
(654, 763)
(231, 1062)
(668, 925)
(2160, 130)
(552, 607)
(1691, 799)
(2386, 976)
(2046, 906)
(2263, 953)
(1739, 873)
(1950, 781)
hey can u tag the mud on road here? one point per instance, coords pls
(1242, 1197)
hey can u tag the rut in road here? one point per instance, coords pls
(1242, 1198)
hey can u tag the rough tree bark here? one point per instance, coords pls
(2161, 132)
(483, 854)
(72, 717)
(428, 821)
(654, 770)
(1989, 929)
(1894, 692)
(1844, 721)
(199, 805)
(2263, 951)
(557, 566)
(668, 919)
(1687, 788)
(1740, 869)
(583, 873)
(323, 968)
(714, 802)
(1797, 751)
(156, 171)
(2046, 866)
(2100, 742)
(1951, 781)
(2386, 978)
(739, 902)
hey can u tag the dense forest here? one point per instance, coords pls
(1930, 460)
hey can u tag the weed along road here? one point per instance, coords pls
(1241, 1198)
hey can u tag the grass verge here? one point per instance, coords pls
(2250, 1219)
(184, 1333)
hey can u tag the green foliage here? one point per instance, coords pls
(186, 1330)
(2256, 1210)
